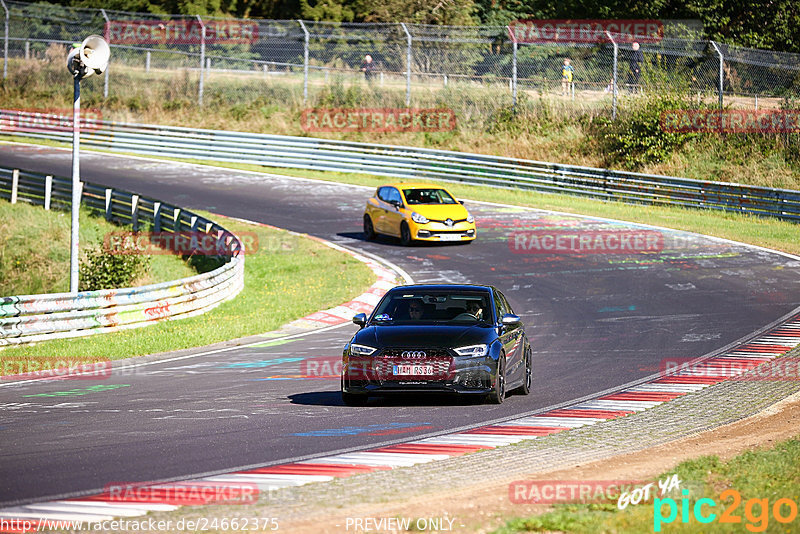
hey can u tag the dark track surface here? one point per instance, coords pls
(595, 321)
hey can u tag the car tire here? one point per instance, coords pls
(369, 230)
(405, 234)
(525, 388)
(498, 393)
(354, 399)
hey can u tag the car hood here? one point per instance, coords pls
(424, 336)
(440, 211)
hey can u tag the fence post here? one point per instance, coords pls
(48, 191)
(202, 59)
(156, 217)
(109, 213)
(614, 77)
(721, 72)
(305, 61)
(147, 61)
(106, 34)
(135, 212)
(14, 185)
(513, 69)
(408, 65)
(5, 40)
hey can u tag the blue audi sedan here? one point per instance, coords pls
(452, 338)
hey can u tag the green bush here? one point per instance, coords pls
(102, 270)
(637, 138)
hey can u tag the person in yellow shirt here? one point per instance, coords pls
(567, 72)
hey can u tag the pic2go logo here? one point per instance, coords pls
(756, 511)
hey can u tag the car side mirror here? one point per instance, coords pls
(360, 319)
(461, 202)
(510, 320)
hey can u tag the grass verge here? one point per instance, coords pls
(34, 250)
(288, 277)
(764, 475)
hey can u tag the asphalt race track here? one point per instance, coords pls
(596, 321)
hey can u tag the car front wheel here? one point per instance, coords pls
(525, 388)
(369, 230)
(405, 234)
(498, 393)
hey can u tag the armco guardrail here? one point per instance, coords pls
(29, 318)
(419, 164)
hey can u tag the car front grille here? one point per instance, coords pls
(439, 359)
(455, 221)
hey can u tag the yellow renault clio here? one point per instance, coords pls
(413, 211)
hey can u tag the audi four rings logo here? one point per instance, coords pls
(414, 354)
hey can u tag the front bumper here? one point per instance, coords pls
(440, 232)
(453, 374)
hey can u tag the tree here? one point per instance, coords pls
(450, 12)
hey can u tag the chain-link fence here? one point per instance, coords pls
(191, 61)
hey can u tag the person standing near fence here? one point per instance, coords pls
(567, 74)
(368, 68)
(635, 63)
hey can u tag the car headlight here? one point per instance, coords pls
(361, 350)
(473, 350)
(470, 218)
(419, 219)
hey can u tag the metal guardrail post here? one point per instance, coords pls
(48, 191)
(614, 77)
(721, 73)
(305, 60)
(135, 212)
(14, 185)
(156, 217)
(408, 64)
(109, 192)
(5, 40)
(202, 59)
(106, 34)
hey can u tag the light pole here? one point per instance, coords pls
(90, 57)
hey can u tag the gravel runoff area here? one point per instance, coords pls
(689, 415)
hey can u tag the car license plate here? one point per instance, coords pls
(416, 370)
(449, 237)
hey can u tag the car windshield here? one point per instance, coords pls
(408, 307)
(428, 196)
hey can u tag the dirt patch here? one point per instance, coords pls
(483, 508)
